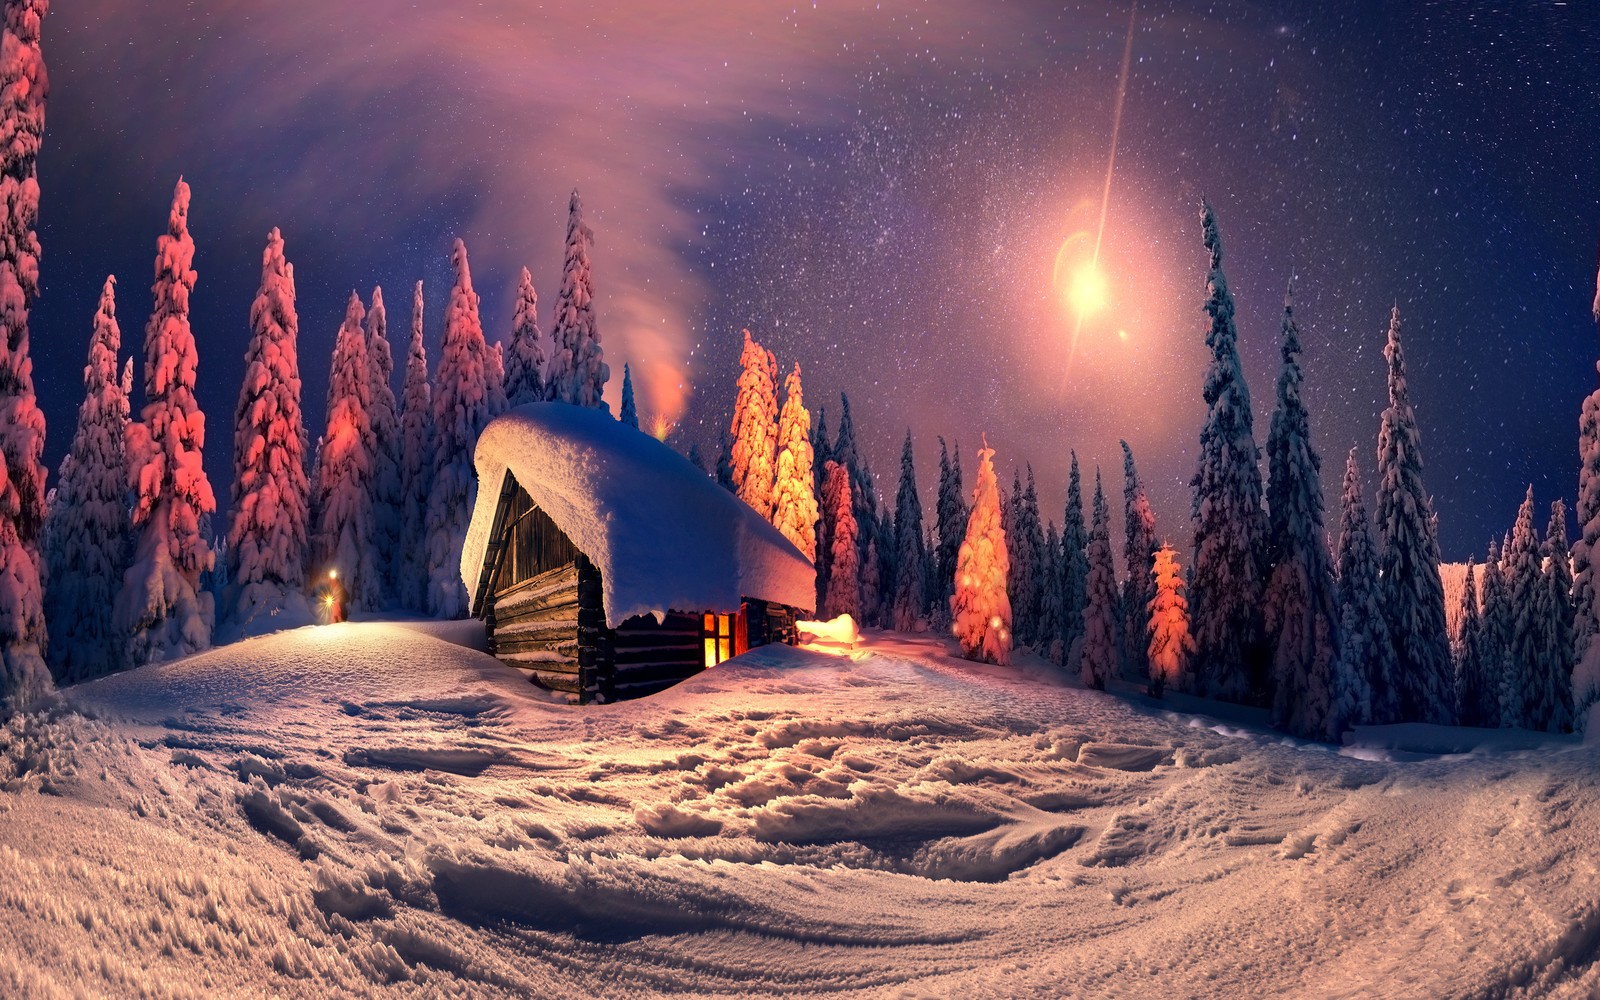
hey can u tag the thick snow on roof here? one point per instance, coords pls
(664, 536)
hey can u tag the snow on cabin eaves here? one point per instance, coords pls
(663, 534)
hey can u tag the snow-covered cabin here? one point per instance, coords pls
(606, 565)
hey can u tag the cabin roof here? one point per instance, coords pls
(663, 534)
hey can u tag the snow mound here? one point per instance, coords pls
(663, 535)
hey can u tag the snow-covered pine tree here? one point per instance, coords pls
(89, 518)
(1139, 545)
(1525, 640)
(755, 429)
(494, 378)
(725, 460)
(871, 584)
(1053, 601)
(1030, 536)
(23, 88)
(1300, 589)
(1494, 641)
(1010, 507)
(269, 516)
(794, 506)
(844, 590)
(578, 372)
(863, 495)
(1170, 648)
(1408, 554)
(910, 584)
(1470, 673)
(1074, 572)
(980, 611)
(387, 502)
(345, 537)
(1549, 702)
(417, 454)
(525, 357)
(460, 411)
(630, 412)
(1586, 555)
(952, 523)
(1364, 685)
(1225, 592)
(162, 607)
(821, 445)
(1101, 633)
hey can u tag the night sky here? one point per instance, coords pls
(880, 192)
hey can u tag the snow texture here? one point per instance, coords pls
(460, 412)
(91, 536)
(663, 536)
(24, 86)
(794, 505)
(980, 609)
(416, 467)
(162, 605)
(269, 518)
(366, 809)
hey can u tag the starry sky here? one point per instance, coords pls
(882, 192)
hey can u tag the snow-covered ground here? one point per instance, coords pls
(367, 807)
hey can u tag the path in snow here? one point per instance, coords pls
(369, 805)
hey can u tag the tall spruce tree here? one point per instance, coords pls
(1101, 633)
(384, 413)
(1494, 641)
(1300, 590)
(1549, 702)
(269, 517)
(1169, 647)
(1525, 645)
(844, 589)
(1074, 572)
(1139, 546)
(1010, 508)
(1053, 604)
(951, 512)
(753, 457)
(1364, 685)
(910, 584)
(89, 520)
(494, 378)
(416, 466)
(345, 540)
(1470, 673)
(1586, 555)
(980, 610)
(794, 508)
(578, 370)
(526, 355)
(1408, 554)
(460, 411)
(24, 85)
(1225, 592)
(162, 606)
(630, 412)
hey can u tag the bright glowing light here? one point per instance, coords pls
(1122, 334)
(1086, 294)
(328, 601)
(660, 427)
(333, 574)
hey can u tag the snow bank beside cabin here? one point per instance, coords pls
(663, 535)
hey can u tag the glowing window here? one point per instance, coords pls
(716, 638)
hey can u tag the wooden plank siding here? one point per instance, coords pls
(544, 610)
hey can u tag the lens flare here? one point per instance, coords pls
(1086, 293)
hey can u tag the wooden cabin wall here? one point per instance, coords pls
(534, 626)
(648, 657)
